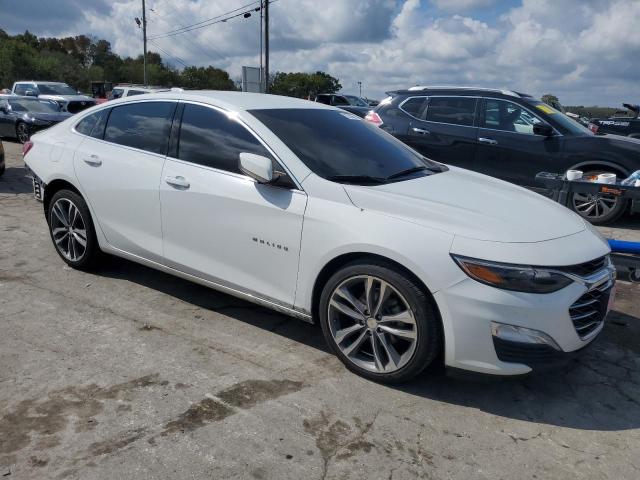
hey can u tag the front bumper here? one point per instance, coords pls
(470, 310)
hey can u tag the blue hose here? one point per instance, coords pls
(619, 246)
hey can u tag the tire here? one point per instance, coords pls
(581, 203)
(388, 351)
(22, 132)
(68, 243)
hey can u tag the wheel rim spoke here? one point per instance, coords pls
(62, 238)
(57, 210)
(69, 240)
(78, 239)
(372, 324)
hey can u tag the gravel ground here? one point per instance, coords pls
(130, 373)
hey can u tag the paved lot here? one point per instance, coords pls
(129, 373)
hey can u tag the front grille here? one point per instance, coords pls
(588, 312)
(78, 106)
(585, 269)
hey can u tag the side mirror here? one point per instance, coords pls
(542, 129)
(257, 167)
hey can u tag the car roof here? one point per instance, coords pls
(453, 90)
(235, 101)
(41, 82)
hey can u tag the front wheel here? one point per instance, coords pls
(72, 230)
(23, 134)
(598, 208)
(379, 322)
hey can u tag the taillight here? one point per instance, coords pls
(374, 118)
(593, 127)
(26, 147)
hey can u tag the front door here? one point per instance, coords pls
(219, 224)
(507, 147)
(120, 171)
(445, 131)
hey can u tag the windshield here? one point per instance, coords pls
(37, 106)
(559, 119)
(356, 101)
(342, 147)
(56, 89)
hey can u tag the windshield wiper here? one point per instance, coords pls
(409, 171)
(357, 179)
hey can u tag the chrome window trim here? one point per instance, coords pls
(557, 133)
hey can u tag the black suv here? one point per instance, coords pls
(508, 135)
(350, 103)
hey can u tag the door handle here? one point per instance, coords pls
(488, 141)
(420, 131)
(180, 183)
(93, 160)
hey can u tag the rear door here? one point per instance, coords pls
(119, 168)
(219, 224)
(444, 129)
(507, 147)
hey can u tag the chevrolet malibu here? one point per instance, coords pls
(308, 210)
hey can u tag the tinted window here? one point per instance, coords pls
(140, 125)
(209, 137)
(93, 125)
(22, 89)
(131, 93)
(116, 93)
(339, 100)
(456, 110)
(509, 117)
(334, 143)
(414, 106)
(559, 119)
(326, 99)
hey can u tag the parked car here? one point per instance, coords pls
(508, 135)
(2, 162)
(626, 125)
(101, 90)
(398, 257)
(129, 90)
(20, 117)
(350, 103)
(68, 98)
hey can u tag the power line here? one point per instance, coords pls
(205, 23)
(176, 58)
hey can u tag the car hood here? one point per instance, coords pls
(48, 117)
(69, 98)
(470, 205)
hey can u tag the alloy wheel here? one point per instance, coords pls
(68, 229)
(22, 131)
(594, 206)
(372, 324)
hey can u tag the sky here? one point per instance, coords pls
(586, 52)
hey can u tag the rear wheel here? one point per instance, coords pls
(379, 322)
(22, 132)
(72, 230)
(597, 208)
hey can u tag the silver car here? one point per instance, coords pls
(69, 99)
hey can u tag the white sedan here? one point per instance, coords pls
(307, 209)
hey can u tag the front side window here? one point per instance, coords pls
(21, 89)
(414, 106)
(454, 110)
(340, 147)
(211, 138)
(142, 125)
(508, 117)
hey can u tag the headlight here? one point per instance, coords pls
(519, 278)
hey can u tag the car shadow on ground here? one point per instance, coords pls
(15, 181)
(598, 391)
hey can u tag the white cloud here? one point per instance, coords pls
(584, 51)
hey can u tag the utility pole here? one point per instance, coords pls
(360, 87)
(144, 40)
(266, 46)
(261, 50)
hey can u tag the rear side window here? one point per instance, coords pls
(87, 125)
(414, 106)
(141, 125)
(455, 110)
(209, 137)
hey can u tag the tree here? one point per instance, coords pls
(550, 100)
(303, 85)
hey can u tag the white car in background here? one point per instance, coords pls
(307, 209)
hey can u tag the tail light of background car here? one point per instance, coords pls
(26, 147)
(374, 118)
(593, 127)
